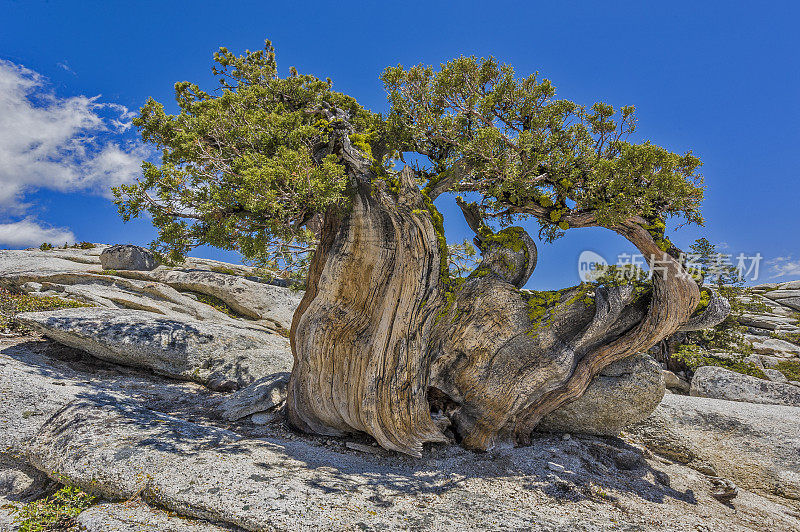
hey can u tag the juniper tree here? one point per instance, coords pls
(289, 172)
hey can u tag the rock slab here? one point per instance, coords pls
(215, 354)
(720, 383)
(263, 395)
(136, 516)
(757, 446)
(258, 301)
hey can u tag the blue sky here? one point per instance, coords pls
(719, 78)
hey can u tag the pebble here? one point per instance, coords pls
(557, 468)
(723, 489)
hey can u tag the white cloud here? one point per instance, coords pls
(784, 267)
(62, 144)
(28, 232)
(63, 65)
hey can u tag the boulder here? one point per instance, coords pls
(674, 382)
(259, 301)
(623, 393)
(790, 285)
(218, 355)
(757, 446)
(263, 395)
(127, 257)
(773, 346)
(721, 383)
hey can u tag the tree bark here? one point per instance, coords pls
(505, 360)
(379, 342)
(360, 335)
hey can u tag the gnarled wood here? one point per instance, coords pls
(674, 297)
(506, 361)
(717, 310)
(374, 339)
(360, 336)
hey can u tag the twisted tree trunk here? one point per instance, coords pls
(360, 335)
(378, 341)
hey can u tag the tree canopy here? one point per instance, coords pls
(254, 166)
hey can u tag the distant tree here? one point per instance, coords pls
(294, 174)
(714, 267)
(713, 271)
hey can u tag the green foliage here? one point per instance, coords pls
(713, 269)
(462, 258)
(237, 168)
(528, 153)
(540, 305)
(510, 237)
(694, 356)
(57, 512)
(225, 270)
(727, 336)
(46, 246)
(790, 369)
(12, 303)
(216, 303)
(255, 167)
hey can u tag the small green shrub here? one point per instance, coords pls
(45, 246)
(12, 304)
(225, 270)
(788, 337)
(57, 512)
(85, 245)
(694, 357)
(790, 368)
(217, 303)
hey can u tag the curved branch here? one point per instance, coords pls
(446, 180)
(675, 295)
(574, 219)
(717, 310)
